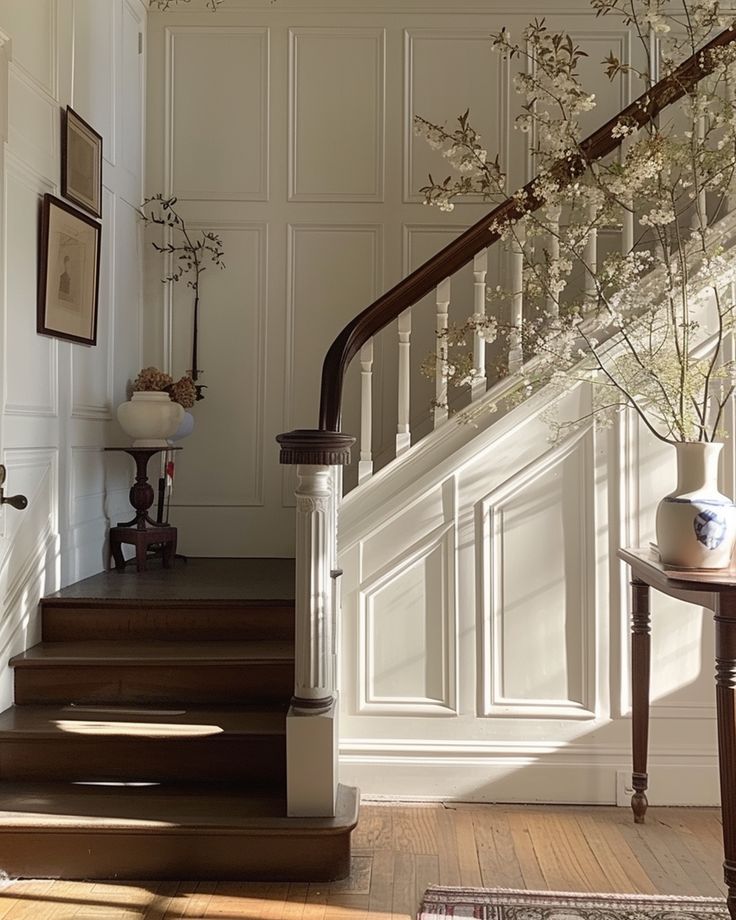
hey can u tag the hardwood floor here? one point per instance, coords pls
(399, 850)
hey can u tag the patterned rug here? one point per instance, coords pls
(505, 904)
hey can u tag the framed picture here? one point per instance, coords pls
(69, 273)
(81, 163)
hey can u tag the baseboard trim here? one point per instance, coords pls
(691, 782)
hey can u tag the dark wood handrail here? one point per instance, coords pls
(460, 251)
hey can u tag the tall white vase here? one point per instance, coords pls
(696, 524)
(150, 418)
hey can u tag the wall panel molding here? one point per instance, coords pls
(46, 349)
(250, 493)
(228, 189)
(346, 162)
(492, 557)
(501, 127)
(437, 553)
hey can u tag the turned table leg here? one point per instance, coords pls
(726, 703)
(640, 668)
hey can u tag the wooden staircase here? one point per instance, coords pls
(147, 740)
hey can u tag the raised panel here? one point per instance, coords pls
(130, 97)
(231, 103)
(94, 69)
(30, 359)
(231, 352)
(92, 371)
(538, 589)
(88, 485)
(33, 124)
(336, 114)
(447, 72)
(407, 633)
(31, 24)
(127, 298)
(333, 270)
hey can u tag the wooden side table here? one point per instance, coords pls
(142, 531)
(715, 591)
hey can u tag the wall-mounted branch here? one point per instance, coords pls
(190, 254)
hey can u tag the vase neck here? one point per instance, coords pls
(697, 466)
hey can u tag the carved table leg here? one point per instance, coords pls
(640, 668)
(726, 703)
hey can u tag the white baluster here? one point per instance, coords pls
(627, 230)
(590, 254)
(627, 216)
(365, 464)
(403, 431)
(478, 385)
(440, 379)
(553, 219)
(517, 299)
(699, 218)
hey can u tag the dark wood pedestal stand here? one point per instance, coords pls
(142, 532)
(715, 591)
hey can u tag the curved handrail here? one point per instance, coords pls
(460, 251)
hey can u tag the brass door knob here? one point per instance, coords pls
(17, 501)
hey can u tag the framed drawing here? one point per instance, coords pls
(81, 163)
(69, 273)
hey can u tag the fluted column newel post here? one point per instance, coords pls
(311, 724)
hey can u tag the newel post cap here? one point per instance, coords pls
(314, 446)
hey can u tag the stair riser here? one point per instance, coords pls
(70, 624)
(249, 682)
(259, 761)
(73, 854)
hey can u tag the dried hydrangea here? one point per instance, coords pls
(152, 379)
(184, 391)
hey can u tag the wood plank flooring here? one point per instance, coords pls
(398, 850)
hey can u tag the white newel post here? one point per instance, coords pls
(311, 723)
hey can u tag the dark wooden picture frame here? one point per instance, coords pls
(68, 273)
(81, 163)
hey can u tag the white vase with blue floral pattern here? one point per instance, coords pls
(696, 524)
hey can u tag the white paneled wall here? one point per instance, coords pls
(484, 632)
(287, 128)
(58, 398)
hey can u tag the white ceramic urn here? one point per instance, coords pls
(696, 524)
(150, 418)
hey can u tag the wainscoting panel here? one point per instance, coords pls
(95, 43)
(92, 368)
(447, 72)
(335, 75)
(231, 102)
(26, 393)
(406, 656)
(234, 372)
(538, 588)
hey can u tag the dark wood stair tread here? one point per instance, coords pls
(211, 580)
(54, 807)
(95, 653)
(98, 722)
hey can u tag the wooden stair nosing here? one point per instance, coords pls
(145, 653)
(228, 845)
